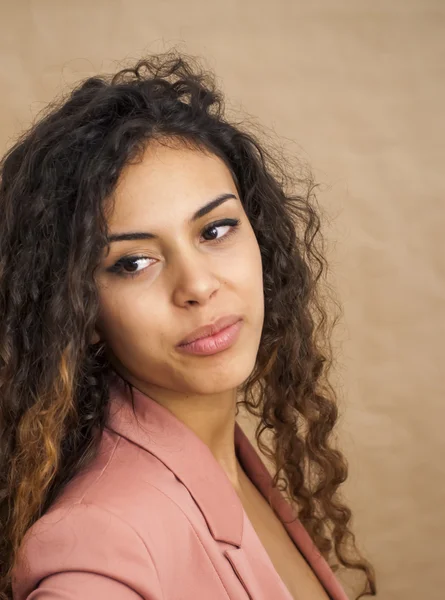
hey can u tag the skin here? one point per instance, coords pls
(186, 280)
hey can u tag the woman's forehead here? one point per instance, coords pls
(170, 182)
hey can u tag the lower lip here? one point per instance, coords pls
(214, 343)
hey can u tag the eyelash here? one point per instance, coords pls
(233, 223)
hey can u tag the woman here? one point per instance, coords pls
(156, 273)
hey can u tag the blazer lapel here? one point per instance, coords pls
(260, 583)
(262, 479)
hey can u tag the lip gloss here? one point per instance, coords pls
(214, 343)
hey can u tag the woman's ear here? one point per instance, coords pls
(96, 337)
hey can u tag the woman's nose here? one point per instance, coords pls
(194, 281)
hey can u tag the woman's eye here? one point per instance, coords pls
(128, 266)
(130, 262)
(231, 224)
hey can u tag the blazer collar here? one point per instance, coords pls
(160, 432)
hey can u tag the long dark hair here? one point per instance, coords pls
(54, 383)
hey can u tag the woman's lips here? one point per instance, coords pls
(215, 343)
(210, 329)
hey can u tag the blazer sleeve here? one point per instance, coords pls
(84, 552)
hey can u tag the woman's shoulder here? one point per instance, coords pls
(80, 537)
(123, 504)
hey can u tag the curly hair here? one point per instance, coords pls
(54, 384)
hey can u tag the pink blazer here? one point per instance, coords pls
(156, 517)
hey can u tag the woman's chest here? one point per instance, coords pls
(289, 563)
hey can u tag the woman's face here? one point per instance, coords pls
(155, 291)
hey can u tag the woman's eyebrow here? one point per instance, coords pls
(145, 235)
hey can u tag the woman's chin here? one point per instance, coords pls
(219, 380)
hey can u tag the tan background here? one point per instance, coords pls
(359, 88)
